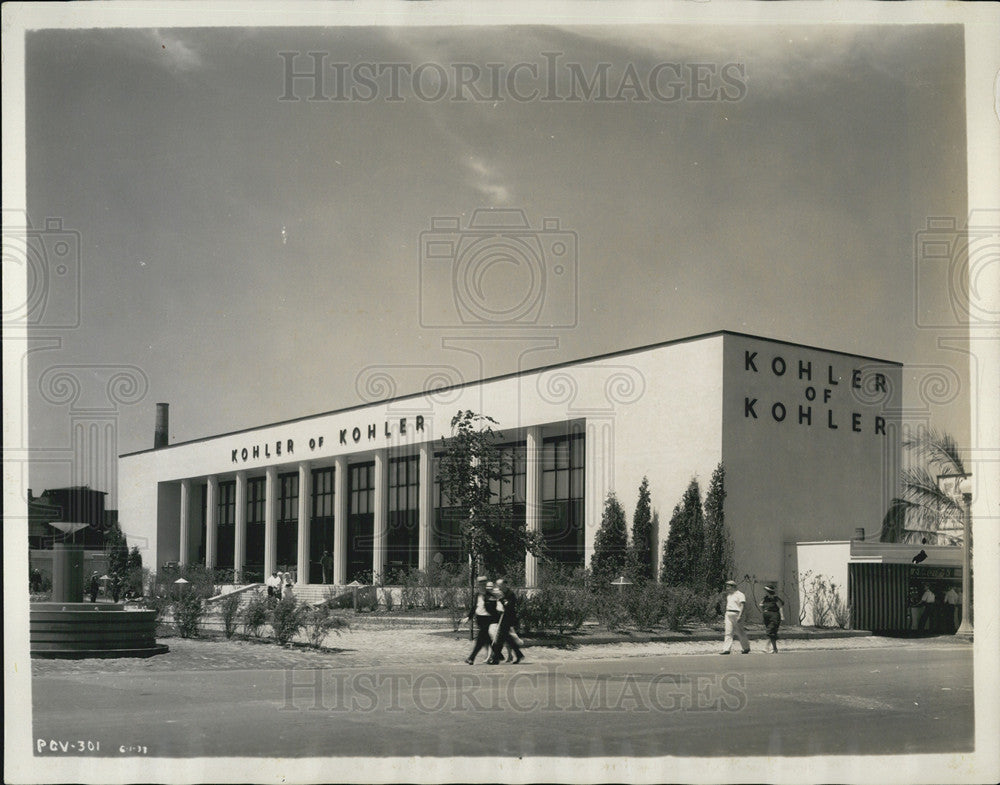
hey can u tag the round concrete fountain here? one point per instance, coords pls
(69, 628)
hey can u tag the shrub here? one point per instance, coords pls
(682, 605)
(559, 608)
(156, 603)
(188, 610)
(319, 621)
(645, 604)
(287, 619)
(609, 607)
(229, 607)
(822, 596)
(254, 615)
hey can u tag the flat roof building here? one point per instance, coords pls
(809, 438)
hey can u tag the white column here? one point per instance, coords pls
(425, 501)
(380, 528)
(305, 507)
(211, 512)
(341, 508)
(185, 545)
(532, 498)
(271, 521)
(240, 535)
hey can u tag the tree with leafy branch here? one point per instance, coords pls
(471, 472)
(640, 563)
(682, 552)
(926, 508)
(610, 544)
(717, 559)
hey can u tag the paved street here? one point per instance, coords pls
(890, 697)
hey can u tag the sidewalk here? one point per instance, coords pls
(359, 647)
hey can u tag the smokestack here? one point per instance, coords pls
(162, 433)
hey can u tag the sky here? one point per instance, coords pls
(249, 255)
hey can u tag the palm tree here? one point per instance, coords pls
(928, 510)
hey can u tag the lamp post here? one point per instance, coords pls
(965, 487)
(621, 582)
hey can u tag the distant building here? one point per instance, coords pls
(75, 504)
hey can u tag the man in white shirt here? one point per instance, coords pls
(953, 601)
(927, 600)
(735, 600)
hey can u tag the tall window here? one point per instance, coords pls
(562, 522)
(446, 534)
(508, 489)
(360, 520)
(403, 514)
(323, 513)
(288, 520)
(226, 524)
(256, 488)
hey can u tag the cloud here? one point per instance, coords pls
(486, 180)
(175, 53)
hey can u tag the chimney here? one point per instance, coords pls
(162, 433)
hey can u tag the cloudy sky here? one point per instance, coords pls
(249, 255)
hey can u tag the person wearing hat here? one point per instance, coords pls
(771, 606)
(735, 600)
(484, 611)
(95, 586)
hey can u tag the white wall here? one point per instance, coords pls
(792, 482)
(652, 412)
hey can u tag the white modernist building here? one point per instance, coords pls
(809, 438)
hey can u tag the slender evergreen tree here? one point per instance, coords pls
(610, 544)
(682, 552)
(717, 565)
(641, 550)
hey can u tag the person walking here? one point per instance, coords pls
(483, 609)
(95, 586)
(735, 600)
(506, 636)
(771, 606)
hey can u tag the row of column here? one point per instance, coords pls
(533, 513)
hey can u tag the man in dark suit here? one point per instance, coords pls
(506, 634)
(95, 586)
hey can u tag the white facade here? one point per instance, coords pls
(809, 437)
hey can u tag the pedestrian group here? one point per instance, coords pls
(494, 608)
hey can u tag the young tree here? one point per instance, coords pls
(718, 565)
(641, 551)
(470, 471)
(682, 552)
(117, 550)
(610, 544)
